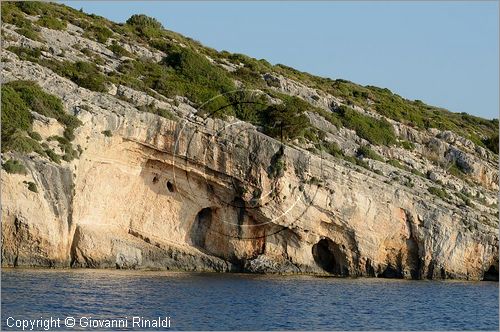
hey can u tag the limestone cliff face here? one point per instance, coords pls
(200, 194)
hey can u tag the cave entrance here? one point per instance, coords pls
(201, 227)
(330, 257)
(491, 274)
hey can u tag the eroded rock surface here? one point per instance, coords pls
(199, 194)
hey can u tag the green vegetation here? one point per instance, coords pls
(286, 121)
(26, 53)
(396, 163)
(118, 49)
(158, 111)
(13, 166)
(107, 133)
(53, 156)
(492, 142)
(32, 187)
(333, 149)
(85, 74)
(98, 33)
(375, 131)
(66, 147)
(187, 72)
(277, 166)
(12, 13)
(407, 145)
(19, 98)
(145, 26)
(441, 193)
(456, 170)
(51, 23)
(366, 152)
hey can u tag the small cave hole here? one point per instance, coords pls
(170, 186)
(330, 257)
(155, 178)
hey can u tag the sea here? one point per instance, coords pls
(86, 299)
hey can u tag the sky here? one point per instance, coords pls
(443, 53)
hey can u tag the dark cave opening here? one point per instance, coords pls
(491, 274)
(201, 227)
(330, 257)
(170, 186)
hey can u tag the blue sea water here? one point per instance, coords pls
(210, 301)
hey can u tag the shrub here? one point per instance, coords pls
(396, 163)
(53, 156)
(13, 166)
(333, 149)
(375, 131)
(158, 111)
(30, 33)
(196, 77)
(145, 26)
(441, 193)
(287, 120)
(51, 23)
(36, 136)
(66, 147)
(43, 103)
(118, 49)
(26, 53)
(366, 152)
(98, 33)
(32, 187)
(492, 143)
(85, 74)
(407, 145)
(15, 114)
(20, 142)
(107, 133)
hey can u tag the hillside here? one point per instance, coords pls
(131, 146)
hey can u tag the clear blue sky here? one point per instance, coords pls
(444, 53)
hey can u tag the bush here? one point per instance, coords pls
(375, 131)
(441, 193)
(26, 53)
(12, 14)
(333, 149)
(196, 77)
(85, 74)
(32, 187)
(407, 145)
(30, 33)
(13, 166)
(118, 50)
(36, 136)
(145, 26)
(158, 111)
(492, 143)
(98, 33)
(366, 152)
(53, 156)
(15, 114)
(52, 23)
(43, 103)
(107, 133)
(19, 141)
(287, 120)
(396, 163)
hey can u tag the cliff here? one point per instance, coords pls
(142, 166)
